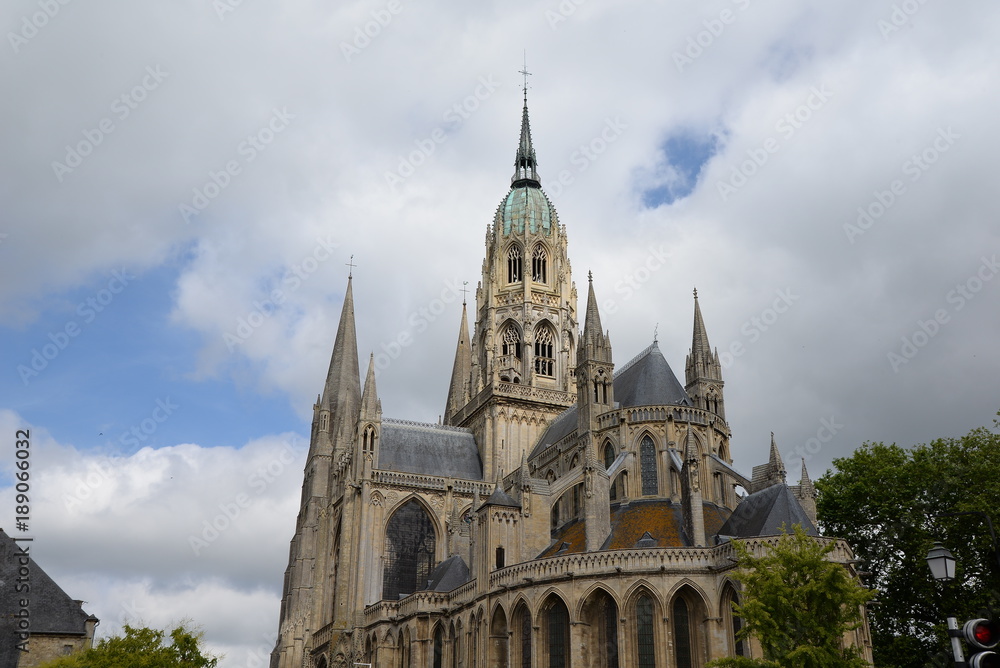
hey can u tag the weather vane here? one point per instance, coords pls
(526, 74)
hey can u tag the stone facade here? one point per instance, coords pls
(565, 513)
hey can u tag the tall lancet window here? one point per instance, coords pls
(368, 440)
(539, 260)
(514, 272)
(545, 363)
(647, 464)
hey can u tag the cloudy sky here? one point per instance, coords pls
(182, 185)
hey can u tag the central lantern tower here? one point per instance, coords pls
(517, 373)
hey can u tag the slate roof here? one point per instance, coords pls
(52, 611)
(765, 512)
(501, 498)
(449, 574)
(429, 449)
(660, 518)
(647, 380)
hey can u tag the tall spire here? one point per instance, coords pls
(699, 343)
(525, 162)
(461, 373)
(342, 392)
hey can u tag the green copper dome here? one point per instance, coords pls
(526, 207)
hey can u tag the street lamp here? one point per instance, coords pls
(942, 563)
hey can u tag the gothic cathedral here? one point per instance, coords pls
(565, 514)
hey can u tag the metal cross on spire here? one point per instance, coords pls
(465, 291)
(526, 74)
(350, 272)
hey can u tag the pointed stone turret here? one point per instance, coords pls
(805, 493)
(371, 405)
(691, 497)
(772, 473)
(338, 406)
(703, 372)
(594, 368)
(461, 372)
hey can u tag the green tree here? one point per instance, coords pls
(142, 648)
(799, 605)
(887, 502)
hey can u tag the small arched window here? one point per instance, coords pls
(539, 268)
(512, 342)
(514, 265)
(368, 440)
(609, 455)
(647, 462)
(545, 363)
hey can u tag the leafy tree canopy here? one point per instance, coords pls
(887, 502)
(142, 648)
(799, 605)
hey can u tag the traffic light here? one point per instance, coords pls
(982, 635)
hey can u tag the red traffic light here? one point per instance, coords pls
(982, 633)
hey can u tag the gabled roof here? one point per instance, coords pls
(501, 498)
(429, 449)
(449, 574)
(764, 513)
(52, 610)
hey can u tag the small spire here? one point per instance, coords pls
(804, 480)
(690, 446)
(461, 372)
(370, 405)
(774, 460)
(592, 325)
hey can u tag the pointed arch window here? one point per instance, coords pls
(438, 647)
(557, 634)
(609, 455)
(644, 638)
(539, 264)
(682, 634)
(514, 269)
(512, 342)
(545, 363)
(647, 462)
(368, 440)
(523, 625)
(409, 551)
